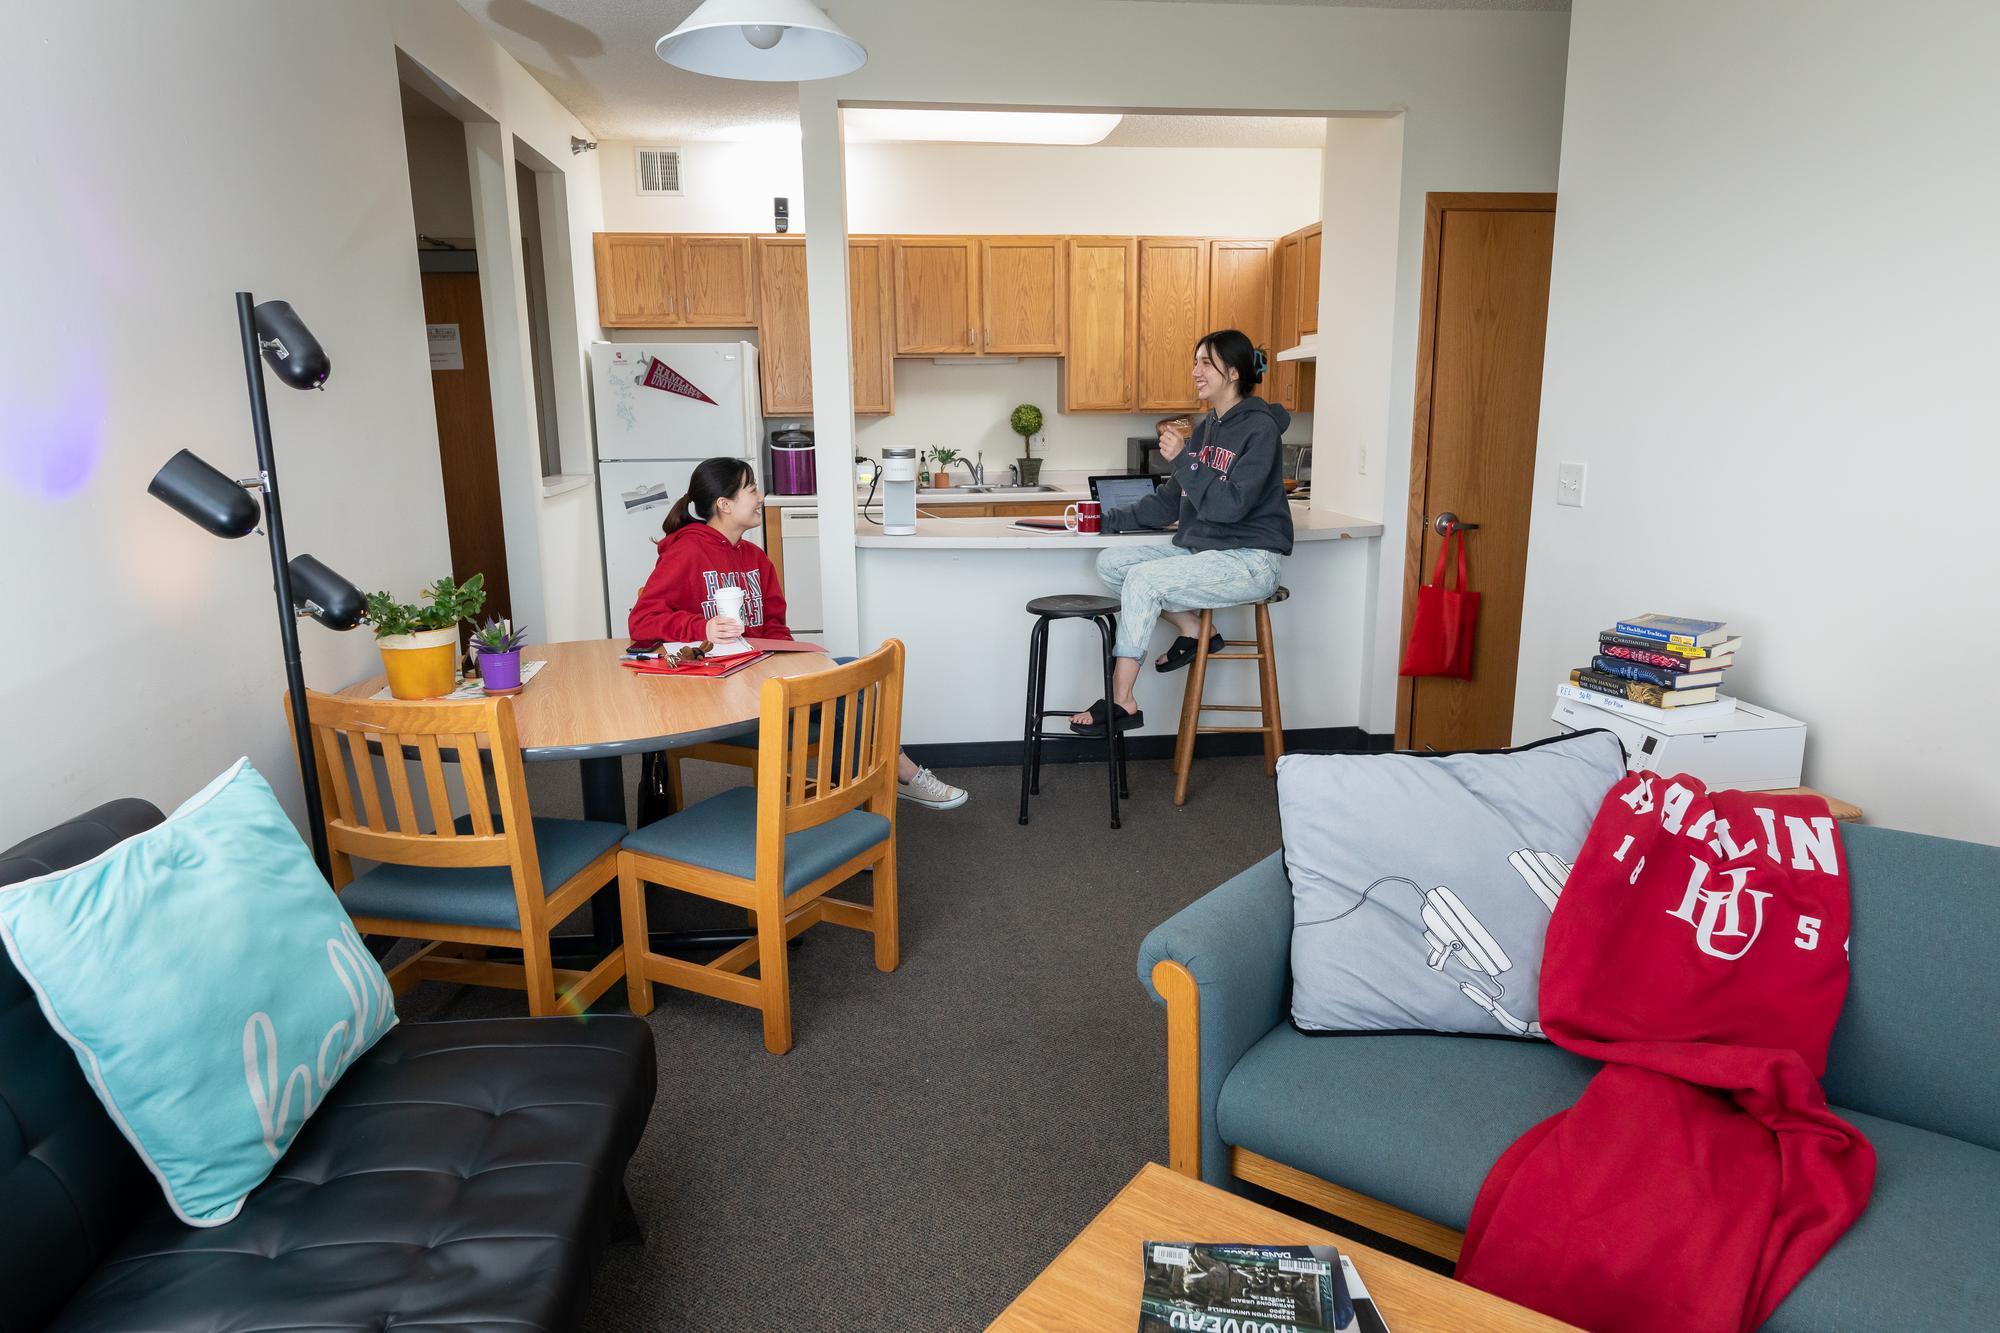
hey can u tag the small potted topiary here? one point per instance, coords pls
(1027, 423)
(497, 646)
(420, 643)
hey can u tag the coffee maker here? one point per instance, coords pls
(899, 491)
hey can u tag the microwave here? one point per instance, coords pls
(1142, 457)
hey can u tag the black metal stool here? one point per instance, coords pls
(1102, 612)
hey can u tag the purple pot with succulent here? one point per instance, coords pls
(497, 646)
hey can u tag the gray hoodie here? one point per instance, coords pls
(1227, 488)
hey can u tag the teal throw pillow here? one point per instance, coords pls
(210, 984)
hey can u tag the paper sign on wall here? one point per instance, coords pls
(447, 353)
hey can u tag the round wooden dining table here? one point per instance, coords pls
(584, 705)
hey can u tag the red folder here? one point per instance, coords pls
(711, 668)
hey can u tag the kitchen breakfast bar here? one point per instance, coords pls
(956, 594)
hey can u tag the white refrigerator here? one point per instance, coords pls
(661, 408)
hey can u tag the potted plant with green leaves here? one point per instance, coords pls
(942, 459)
(420, 643)
(497, 647)
(1027, 423)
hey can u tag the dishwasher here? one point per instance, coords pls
(799, 529)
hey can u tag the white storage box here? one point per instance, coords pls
(1752, 749)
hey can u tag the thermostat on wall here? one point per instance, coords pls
(782, 213)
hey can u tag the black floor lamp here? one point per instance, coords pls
(222, 505)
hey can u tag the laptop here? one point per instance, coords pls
(1121, 489)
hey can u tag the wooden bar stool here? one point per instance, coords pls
(1266, 707)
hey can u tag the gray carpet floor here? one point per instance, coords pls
(936, 1134)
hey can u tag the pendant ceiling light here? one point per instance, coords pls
(782, 41)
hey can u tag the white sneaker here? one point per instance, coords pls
(928, 789)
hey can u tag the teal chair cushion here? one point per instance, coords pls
(479, 895)
(720, 834)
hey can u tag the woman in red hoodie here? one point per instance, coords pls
(702, 549)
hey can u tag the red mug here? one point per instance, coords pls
(1084, 516)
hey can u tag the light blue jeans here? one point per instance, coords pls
(1152, 578)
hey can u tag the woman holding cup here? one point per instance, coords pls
(709, 583)
(1226, 493)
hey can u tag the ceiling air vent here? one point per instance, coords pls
(659, 170)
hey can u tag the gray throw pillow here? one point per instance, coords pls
(1422, 884)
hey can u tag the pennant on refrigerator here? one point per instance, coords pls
(659, 375)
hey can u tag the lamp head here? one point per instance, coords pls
(289, 348)
(205, 496)
(324, 595)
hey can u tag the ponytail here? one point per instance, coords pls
(715, 479)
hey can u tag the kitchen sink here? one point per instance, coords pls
(984, 490)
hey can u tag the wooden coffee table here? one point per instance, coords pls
(1094, 1283)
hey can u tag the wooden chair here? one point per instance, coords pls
(464, 883)
(1270, 725)
(822, 810)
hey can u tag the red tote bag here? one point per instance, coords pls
(1441, 631)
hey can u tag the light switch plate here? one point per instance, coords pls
(1569, 485)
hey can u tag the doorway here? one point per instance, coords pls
(461, 389)
(1484, 316)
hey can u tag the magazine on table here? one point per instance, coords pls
(1199, 1287)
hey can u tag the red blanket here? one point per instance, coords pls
(1700, 951)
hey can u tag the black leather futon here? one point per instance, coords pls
(462, 1175)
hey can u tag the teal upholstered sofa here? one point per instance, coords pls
(1397, 1132)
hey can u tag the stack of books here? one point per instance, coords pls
(1654, 664)
(1254, 1289)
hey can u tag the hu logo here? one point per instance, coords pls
(1721, 911)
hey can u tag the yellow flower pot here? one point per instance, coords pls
(422, 665)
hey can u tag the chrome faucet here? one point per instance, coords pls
(979, 470)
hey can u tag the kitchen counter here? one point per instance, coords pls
(1002, 534)
(1069, 486)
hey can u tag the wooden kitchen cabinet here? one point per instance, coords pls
(1173, 315)
(1101, 371)
(1022, 311)
(635, 280)
(1282, 384)
(784, 334)
(937, 295)
(1239, 289)
(1309, 279)
(718, 283)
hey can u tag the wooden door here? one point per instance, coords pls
(1483, 316)
(871, 326)
(463, 399)
(784, 352)
(636, 280)
(1239, 289)
(718, 281)
(1021, 289)
(1101, 371)
(1173, 315)
(1282, 385)
(937, 295)
(1309, 280)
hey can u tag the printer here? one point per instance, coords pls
(1752, 748)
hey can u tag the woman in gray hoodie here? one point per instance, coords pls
(1227, 494)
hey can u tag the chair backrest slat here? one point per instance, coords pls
(364, 773)
(333, 764)
(797, 726)
(433, 766)
(399, 784)
(472, 772)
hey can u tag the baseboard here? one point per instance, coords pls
(1063, 750)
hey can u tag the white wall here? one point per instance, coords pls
(440, 190)
(1774, 262)
(985, 189)
(1481, 100)
(142, 655)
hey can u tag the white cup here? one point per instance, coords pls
(729, 602)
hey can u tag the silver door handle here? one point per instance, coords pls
(1446, 521)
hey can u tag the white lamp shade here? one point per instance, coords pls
(713, 41)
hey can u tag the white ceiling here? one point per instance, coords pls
(596, 57)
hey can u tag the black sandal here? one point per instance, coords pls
(1182, 652)
(1099, 711)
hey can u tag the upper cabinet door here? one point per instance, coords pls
(718, 281)
(872, 326)
(1173, 315)
(1239, 289)
(1101, 372)
(1309, 279)
(784, 356)
(1022, 284)
(1282, 387)
(636, 280)
(937, 295)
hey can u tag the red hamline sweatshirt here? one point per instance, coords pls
(679, 598)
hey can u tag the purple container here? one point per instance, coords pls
(500, 671)
(793, 470)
